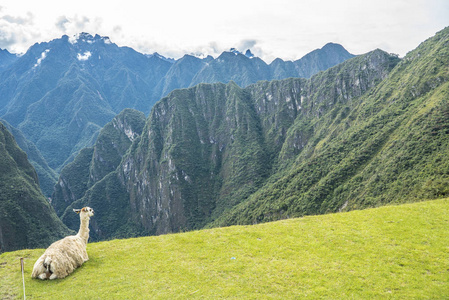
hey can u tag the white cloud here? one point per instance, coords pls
(40, 59)
(73, 39)
(78, 23)
(274, 28)
(61, 23)
(84, 57)
(16, 31)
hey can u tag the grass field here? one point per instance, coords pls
(392, 252)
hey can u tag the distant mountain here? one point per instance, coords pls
(61, 93)
(245, 69)
(320, 59)
(6, 59)
(26, 218)
(155, 54)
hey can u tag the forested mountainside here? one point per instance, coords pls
(208, 148)
(92, 164)
(26, 218)
(389, 145)
(61, 93)
(47, 176)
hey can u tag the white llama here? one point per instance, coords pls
(64, 256)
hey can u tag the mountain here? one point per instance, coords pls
(370, 131)
(181, 74)
(61, 93)
(388, 146)
(321, 59)
(6, 59)
(207, 148)
(92, 164)
(26, 218)
(47, 176)
(233, 66)
(318, 60)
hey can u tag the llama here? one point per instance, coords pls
(64, 256)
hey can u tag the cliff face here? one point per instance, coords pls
(92, 164)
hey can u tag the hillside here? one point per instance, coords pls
(26, 218)
(93, 164)
(47, 176)
(389, 145)
(392, 252)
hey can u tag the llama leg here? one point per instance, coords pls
(42, 276)
(52, 269)
(53, 276)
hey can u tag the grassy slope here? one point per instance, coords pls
(388, 252)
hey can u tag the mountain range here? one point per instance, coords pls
(206, 149)
(370, 131)
(59, 94)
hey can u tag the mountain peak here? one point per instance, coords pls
(333, 46)
(85, 37)
(235, 51)
(155, 54)
(249, 54)
(4, 51)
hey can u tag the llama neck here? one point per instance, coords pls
(84, 230)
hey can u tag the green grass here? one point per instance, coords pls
(392, 252)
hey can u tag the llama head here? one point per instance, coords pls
(85, 212)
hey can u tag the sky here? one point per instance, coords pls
(287, 29)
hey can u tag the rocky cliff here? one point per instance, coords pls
(92, 164)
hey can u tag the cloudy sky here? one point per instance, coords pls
(287, 29)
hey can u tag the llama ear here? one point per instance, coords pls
(77, 210)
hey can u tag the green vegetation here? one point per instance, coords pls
(365, 133)
(386, 146)
(368, 132)
(47, 176)
(392, 252)
(72, 183)
(93, 164)
(26, 218)
(206, 149)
